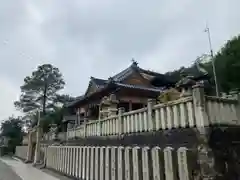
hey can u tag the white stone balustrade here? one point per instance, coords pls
(222, 110)
(120, 163)
(181, 113)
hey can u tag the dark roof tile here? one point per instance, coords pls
(140, 87)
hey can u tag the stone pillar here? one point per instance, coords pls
(68, 161)
(205, 154)
(150, 115)
(121, 164)
(84, 163)
(97, 162)
(30, 148)
(146, 165)
(107, 163)
(58, 159)
(73, 160)
(64, 160)
(102, 164)
(120, 120)
(137, 169)
(128, 163)
(183, 170)
(200, 106)
(92, 163)
(87, 162)
(80, 162)
(157, 163)
(113, 163)
(85, 126)
(77, 162)
(170, 171)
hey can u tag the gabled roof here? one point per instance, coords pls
(112, 86)
(117, 81)
(125, 73)
(99, 82)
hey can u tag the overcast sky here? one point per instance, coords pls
(86, 38)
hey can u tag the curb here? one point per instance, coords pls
(17, 159)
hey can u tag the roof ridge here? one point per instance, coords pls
(150, 71)
(97, 78)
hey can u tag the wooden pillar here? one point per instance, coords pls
(130, 106)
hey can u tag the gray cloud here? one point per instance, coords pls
(99, 38)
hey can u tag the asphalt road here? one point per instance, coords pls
(6, 172)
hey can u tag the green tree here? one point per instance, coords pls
(12, 128)
(227, 62)
(39, 90)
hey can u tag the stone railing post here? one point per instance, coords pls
(120, 120)
(85, 126)
(99, 126)
(205, 155)
(200, 106)
(150, 104)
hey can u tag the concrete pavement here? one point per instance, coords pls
(6, 172)
(11, 169)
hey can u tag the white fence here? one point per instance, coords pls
(193, 111)
(121, 163)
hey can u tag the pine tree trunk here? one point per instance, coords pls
(44, 99)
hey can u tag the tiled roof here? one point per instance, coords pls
(139, 87)
(99, 82)
(75, 101)
(152, 73)
(123, 74)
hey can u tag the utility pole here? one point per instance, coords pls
(213, 61)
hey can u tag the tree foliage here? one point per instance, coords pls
(227, 63)
(12, 128)
(39, 90)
